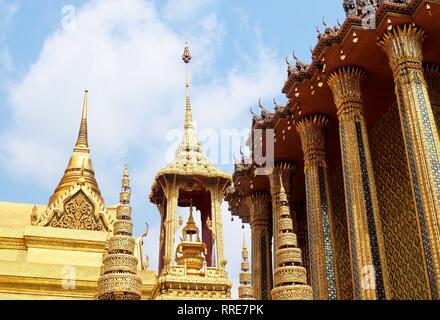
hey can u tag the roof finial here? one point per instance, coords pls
(82, 141)
(186, 57)
(126, 178)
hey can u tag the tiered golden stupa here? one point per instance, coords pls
(191, 180)
(245, 290)
(191, 252)
(290, 278)
(118, 280)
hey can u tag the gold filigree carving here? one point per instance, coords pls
(78, 208)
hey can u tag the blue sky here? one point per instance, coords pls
(127, 53)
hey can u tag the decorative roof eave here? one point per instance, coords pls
(281, 113)
(156, 192)
(349, 24)
(326, 40)
(402, 8)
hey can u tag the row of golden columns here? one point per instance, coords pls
(403, 45)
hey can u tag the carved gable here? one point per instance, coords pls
(78, 208)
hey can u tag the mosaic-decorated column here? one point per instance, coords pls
(403, 46)
(432, 76)
(319, 209)
(260, 216)
(365, 234)
(290, 277)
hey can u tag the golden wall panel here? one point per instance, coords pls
(340, 231)
(408, 275)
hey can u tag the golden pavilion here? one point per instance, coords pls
(348, 207)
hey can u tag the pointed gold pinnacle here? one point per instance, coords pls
(82, 141)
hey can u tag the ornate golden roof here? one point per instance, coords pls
(190, 159)
(77, 202)
(79, 168)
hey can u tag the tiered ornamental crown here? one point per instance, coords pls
(119, 280)
(245, 290)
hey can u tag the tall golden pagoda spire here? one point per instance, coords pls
(290, 278)
(245, 290)
(190, 159)
(80, 164)
(82, 143)
(119, 280)
(186, 57)
(77, 202)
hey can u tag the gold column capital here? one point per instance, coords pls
(403, 45)
(345, 84)
(283, 170)
(312, 131)
(259, 207)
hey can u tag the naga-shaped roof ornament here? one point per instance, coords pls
(265, 114)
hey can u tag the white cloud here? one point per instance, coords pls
(128, 56)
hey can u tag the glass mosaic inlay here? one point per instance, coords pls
(264, 285)
(328, 247)
(417, 193)
(311, 238)
(380, 290)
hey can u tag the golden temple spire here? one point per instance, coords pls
(190, 228)
(82, 141)
(245, 290)
(79, 168)
(119, 279)
(126, 179)
(186, 57)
